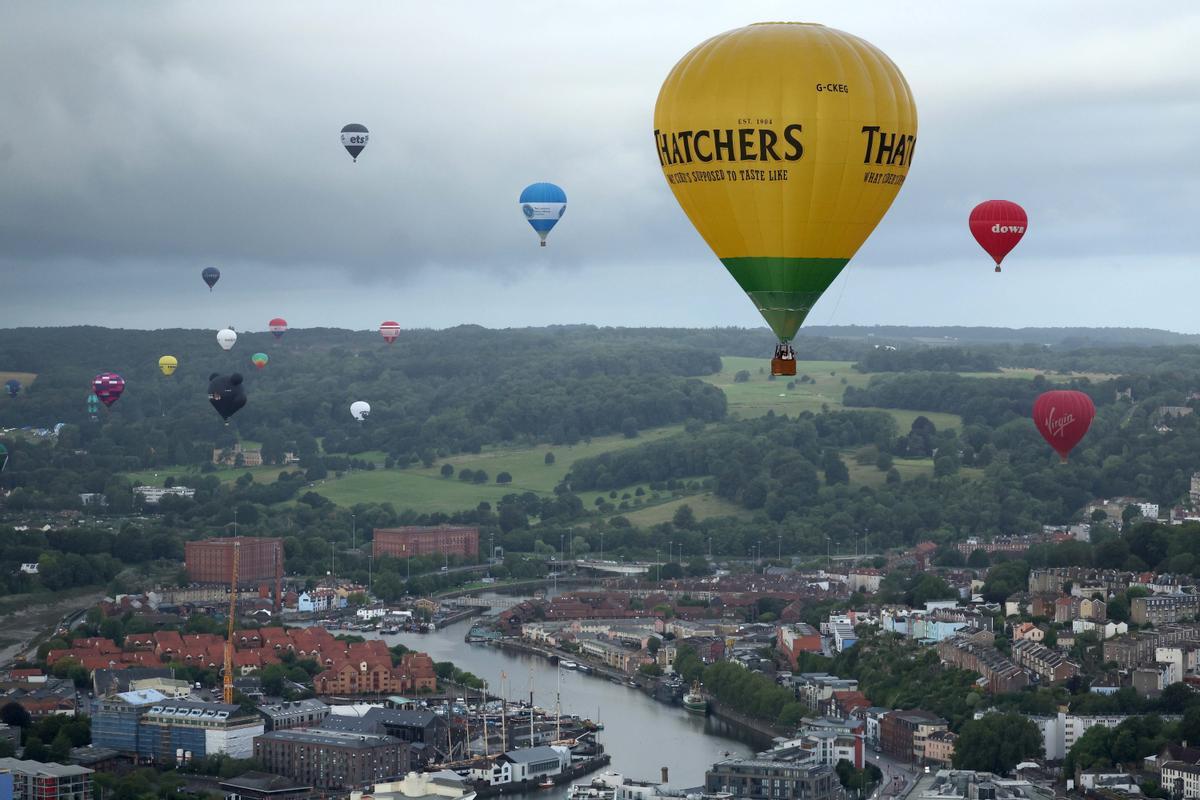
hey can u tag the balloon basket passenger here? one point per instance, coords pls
(784, 362)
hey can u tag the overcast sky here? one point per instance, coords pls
(140, 143)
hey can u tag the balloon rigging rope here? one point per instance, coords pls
(837, 304)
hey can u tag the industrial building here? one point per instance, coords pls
(336, 760)
(459, 541)
(260, 561)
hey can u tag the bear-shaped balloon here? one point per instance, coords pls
(226, 394)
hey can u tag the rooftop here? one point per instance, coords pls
(329, 738)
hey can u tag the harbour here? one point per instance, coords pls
(643, 738)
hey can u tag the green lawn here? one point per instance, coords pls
(759, 395)
(225, 475)
(1029, 374)
(703, 506)
(26, 378)
(425, 490)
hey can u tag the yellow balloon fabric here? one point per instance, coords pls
(168, 364)
(785, 144)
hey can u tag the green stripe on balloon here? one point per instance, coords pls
(784, 289)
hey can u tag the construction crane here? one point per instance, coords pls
(233, 594)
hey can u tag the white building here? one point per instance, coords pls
(1105, 630)
(371, 613)
(30, 569)
(1060, 732)
(152, 494)
(444, 785)
(1181, 779)
(526, 764)
(1148, 510)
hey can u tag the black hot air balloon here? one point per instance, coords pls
(226, 394)
(354, 139)
(211, 275)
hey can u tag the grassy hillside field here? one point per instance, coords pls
(426, 491)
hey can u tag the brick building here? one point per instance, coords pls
(260, 561)
(334, 760)
(969, 652)
(903, 734)
(417, 540)
(1041, 660)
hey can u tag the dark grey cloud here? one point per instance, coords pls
(139, 144)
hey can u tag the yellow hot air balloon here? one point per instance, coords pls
(168, 364)
(785, 144)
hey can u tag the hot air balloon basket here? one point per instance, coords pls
(783, 366)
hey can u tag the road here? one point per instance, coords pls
(892, 770)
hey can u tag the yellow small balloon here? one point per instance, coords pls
(168, 364)
(785, 144)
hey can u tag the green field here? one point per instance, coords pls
(703, 506)
(425, 490)
(759, 395)
(156, 477)
(26, 378)
(1029, 374)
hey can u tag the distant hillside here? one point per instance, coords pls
(958, 335)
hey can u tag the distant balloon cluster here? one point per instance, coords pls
(785, 144)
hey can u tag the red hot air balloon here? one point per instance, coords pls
(1062, 418)
(390, 331)
(108, 387)
(998, 225)
(278, 326)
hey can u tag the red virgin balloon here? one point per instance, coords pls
(278, 326)
(1062, 418)
(108, 387)
(390, 331)
(998, 225)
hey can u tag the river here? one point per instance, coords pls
(641, 734)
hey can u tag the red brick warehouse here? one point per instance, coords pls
(417, 540)
(260, 561)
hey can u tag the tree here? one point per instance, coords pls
(549, 459)
(835, 469)
(629, 427)
(503, 477)
(741, 376)
(36, 750)
(14, 715)
(684, 518)
(447, 470)
(997, 743)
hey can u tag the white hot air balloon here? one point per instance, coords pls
(359, 409)
(226, 338)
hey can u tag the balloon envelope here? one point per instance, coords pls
(211, 275)
(168, 364)
(359, 409)
(226, 394)
(390, 331)
(785, 144)
(354, 139)
(108, 386)
(226, 338)
(998, 225)
(13, 387)
(259, 360)
(278, 326)
(543, 205)
(1062, 418)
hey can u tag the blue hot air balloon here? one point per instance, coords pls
(211, 275)
(543, 205)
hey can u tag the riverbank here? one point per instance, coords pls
(758, 729)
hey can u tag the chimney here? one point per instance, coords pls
(664, 775)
